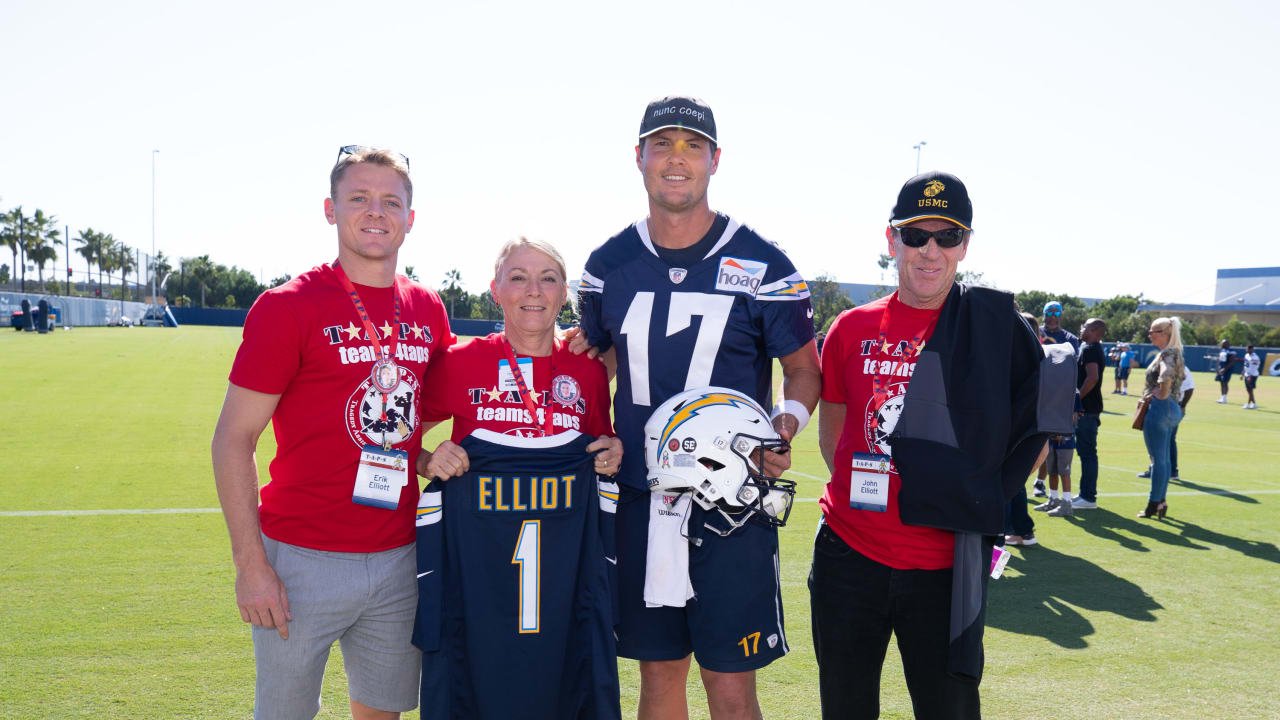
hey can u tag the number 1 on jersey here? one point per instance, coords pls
(526, 557)
(714, 309)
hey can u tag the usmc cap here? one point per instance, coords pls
(678, 111)
(933, 196)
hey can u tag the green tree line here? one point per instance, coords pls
(35, 239)
(1125, 323)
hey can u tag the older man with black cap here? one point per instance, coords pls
(683, 299)
(930, 420)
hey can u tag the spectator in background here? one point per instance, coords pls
(1058, 465)
(1226, 360)
(1019, 528)
(1122, 354)
(1165, 373)
(1052, 331)
(1188, 387)
(1089, 381)
(1250, 371)
(1052, 327)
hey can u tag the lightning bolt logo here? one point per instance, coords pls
(691, 408)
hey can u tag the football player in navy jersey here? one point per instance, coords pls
(685, 298)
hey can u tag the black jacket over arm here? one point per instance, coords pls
(981, 404)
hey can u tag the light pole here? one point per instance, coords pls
(917, 149)
(154, 153)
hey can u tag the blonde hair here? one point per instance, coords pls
(373, 156)
(1174, 327)
(541, 246)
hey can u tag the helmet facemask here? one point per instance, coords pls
(709, 442)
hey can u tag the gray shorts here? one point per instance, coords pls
(366, 602)
(1058, 461)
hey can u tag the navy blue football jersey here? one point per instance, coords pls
(717, 322)
(515, 602)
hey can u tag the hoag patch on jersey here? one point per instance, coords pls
(740, 275)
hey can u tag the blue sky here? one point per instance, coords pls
(1108, 147)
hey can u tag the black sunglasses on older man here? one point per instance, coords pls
(346, 150)
(914, 237)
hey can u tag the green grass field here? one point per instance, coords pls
(132, 615)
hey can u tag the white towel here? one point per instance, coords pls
(666, 572)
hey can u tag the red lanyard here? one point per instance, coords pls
(384, 353)
(879, 387)
(525, 394)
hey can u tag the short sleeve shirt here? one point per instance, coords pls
(1252, 365)
(305, 342)
(851, 355)
(471, 389)
(1090, 353)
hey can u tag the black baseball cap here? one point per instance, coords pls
(678, 111)
(933, 196)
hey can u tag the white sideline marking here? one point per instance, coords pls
(1145, 493)
(188, 511)
(1181, 442)
(72, 513)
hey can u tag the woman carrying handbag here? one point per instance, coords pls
(1162, 414)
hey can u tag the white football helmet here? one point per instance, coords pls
(702, 441)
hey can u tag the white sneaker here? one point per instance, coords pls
(1246, 406)
(1080, 503)
(1222, 400)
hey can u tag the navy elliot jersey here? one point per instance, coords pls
(717, 322)
(515, 598)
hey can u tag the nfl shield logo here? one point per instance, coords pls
(677, 275)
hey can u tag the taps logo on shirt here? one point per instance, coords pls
(878, 423)
(375, 418)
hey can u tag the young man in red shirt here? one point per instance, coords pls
(878, 569)
(335, 359)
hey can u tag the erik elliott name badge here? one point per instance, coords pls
(380, 476)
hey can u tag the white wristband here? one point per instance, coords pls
(792, 407)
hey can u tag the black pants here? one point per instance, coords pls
(856, 603)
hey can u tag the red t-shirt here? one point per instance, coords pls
(304, 341)
(469, 389)
(851, 348)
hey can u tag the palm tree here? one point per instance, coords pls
(41, 241)
(452, 288)
(106, 258)
(160, 267)
(126, 261)
(90, 249)
(39, 233)
(9, 233)
(201, 270)
(42, 255)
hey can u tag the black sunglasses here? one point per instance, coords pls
(346, 150)
(917, 238)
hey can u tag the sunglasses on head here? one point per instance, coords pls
(914, 237)
(346, 150)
